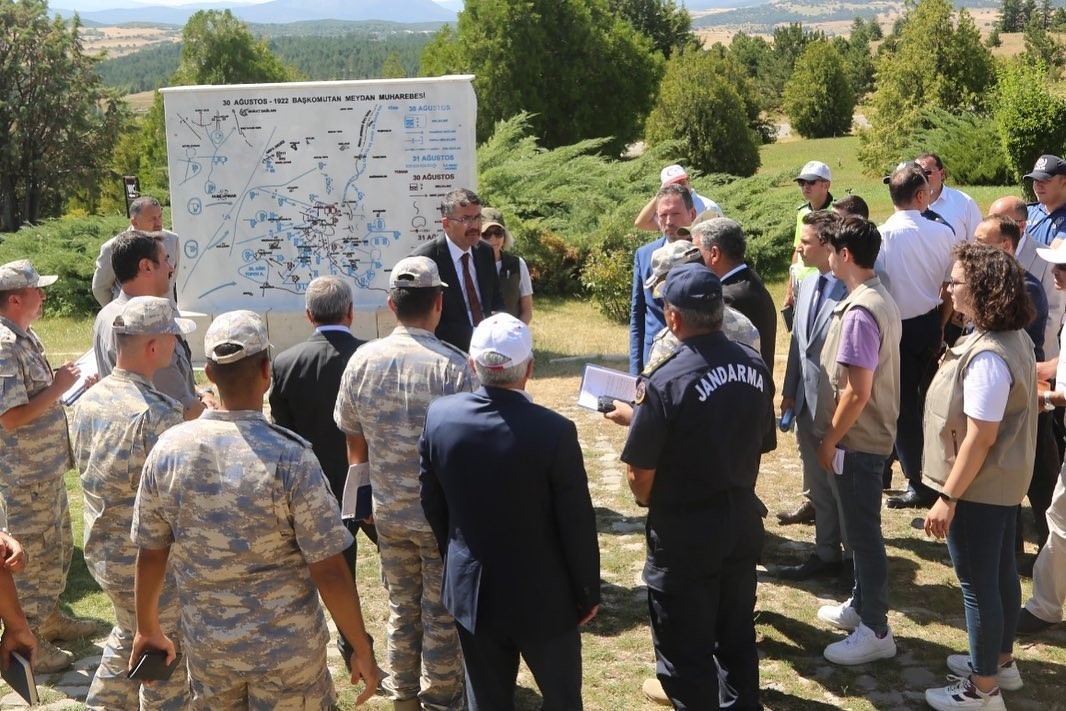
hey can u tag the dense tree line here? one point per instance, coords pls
(58, 125)
(351, 56)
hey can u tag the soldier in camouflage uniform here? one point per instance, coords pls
(34, 456)
(384, 393)
(116, 424)
(253, 535)
(735, 325)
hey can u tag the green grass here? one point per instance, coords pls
(926, 604)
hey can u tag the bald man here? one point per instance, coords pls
(1015, 208)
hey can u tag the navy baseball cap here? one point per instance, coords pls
(692, 286)
(1047, 166)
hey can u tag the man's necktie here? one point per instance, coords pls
(471, 290)
(817, 305)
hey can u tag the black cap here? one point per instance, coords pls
(692, 286)
(1047, 166)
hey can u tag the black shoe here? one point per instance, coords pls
(804, 513)
(813, 567)
(911, 499)
(1028, 623)
(846, 577)
(1025, 564)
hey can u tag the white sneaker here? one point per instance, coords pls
(843, 617)
(861, 646)
(1008, 677)
(961, 694)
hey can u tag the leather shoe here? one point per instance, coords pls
(846, 578)
(811, 568)
(804, 513)
(1028, 623)
(911, 499)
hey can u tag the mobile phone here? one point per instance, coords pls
(605, 403)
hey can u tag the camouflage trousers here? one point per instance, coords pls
(305, 686)
(424, 654)
(110, 688)
(38, 518)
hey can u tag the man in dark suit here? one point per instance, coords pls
(522, 565)
(306, 379)
(467, 265)
(816, 297)
(722, 242)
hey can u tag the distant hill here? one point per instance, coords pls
(353, 55)
(768, 13)
(277, 11)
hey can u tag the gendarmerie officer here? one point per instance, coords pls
(693, 455)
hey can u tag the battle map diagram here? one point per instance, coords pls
(274, 185)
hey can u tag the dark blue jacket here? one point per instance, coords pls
(505, 490)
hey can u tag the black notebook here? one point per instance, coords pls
(19, 676)
(152, 666)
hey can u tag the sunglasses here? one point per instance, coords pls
(801, 181)
(489, 234)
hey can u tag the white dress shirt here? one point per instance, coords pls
(915, 260)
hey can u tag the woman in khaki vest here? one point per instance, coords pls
(980, 440)
(515, 284)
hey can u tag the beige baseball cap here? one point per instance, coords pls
(415, 273)
(150, 315)
(244, 329)
(20, 274)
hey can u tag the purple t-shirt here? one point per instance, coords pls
(860, 341)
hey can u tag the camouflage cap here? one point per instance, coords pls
(415, 273)
(666, 258)
(21, 274)
(150, 315)
(244, 329)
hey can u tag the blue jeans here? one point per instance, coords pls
(860, 500)
(981, 543)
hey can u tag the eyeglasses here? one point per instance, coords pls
(951, 283)
(801, 181)
(469, 220)
(491, 233)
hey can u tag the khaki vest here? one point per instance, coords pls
(875, 430)
(1004, 476)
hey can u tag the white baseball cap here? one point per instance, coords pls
(672, 174)
(815, 170)
(505, 336)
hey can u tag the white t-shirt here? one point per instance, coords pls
(986, 387)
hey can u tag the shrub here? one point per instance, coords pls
(1030, 119)
(968, 144)
(819, 99)
(702, 103)
(67, 247)
(554, 264)
(608, 274)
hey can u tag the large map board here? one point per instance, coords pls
(272, 185)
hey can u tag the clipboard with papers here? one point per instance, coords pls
(598, 381)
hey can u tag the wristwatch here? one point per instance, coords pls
(1045, 401)
(947, 498)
